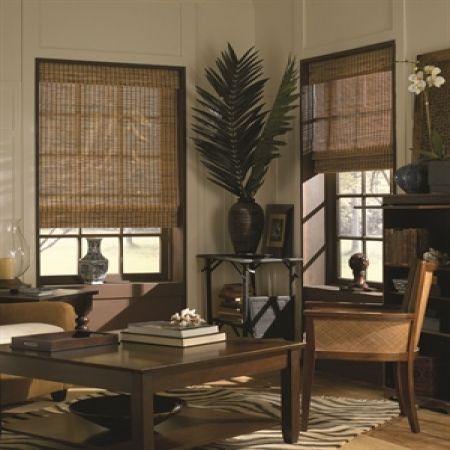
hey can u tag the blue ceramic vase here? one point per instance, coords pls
(93, 266)
(413, 178)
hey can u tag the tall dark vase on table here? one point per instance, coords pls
(245, 225)
(238, 138)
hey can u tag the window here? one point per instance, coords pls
(358, 220)
(110, 163)
(347, 126)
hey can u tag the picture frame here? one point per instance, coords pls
(277, 236)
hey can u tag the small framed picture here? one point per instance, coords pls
(277, 237)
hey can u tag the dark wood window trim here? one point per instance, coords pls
(307, 169)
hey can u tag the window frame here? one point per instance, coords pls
(328, 250)
(331, 224)
(162, 275)
(172, 240)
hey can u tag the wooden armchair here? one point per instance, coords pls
(359, 334)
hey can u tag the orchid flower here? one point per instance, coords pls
(433, 78)
(421, 81)
(418, 84)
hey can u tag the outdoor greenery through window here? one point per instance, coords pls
(359, 220)
(110, 162)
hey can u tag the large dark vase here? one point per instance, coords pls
(245, 225)
(413, 178)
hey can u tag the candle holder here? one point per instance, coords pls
(14, 254)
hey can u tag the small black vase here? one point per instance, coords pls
(245, 225)
(413, 178)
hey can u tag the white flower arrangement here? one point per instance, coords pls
(187, 318)
(432, 79)
(421, 80)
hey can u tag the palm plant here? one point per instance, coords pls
(236, 136)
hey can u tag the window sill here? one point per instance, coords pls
(120, 290)
(327, 293)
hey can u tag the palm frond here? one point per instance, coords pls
(235, 134)
(277, 124)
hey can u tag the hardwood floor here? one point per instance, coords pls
(435, 427)
(395, 435)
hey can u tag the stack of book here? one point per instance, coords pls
(230, 304)
(173, 335)
(403, 245)
(62, 340)
(36, 292)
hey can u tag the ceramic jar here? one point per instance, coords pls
(93, 267)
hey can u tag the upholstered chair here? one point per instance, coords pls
(18, 319)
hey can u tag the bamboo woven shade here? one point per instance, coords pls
(346, 116)
(108, 146)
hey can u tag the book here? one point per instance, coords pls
(63, 340)
(235, 317)
(126, 336)
(165, 328)
(36, 292)
(231, 292)
(229, 311)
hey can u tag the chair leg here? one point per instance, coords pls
(399, 388)
(307, 376)
(407, 369)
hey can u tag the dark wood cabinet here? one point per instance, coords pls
(413, 223)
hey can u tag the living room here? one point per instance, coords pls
(191, 34)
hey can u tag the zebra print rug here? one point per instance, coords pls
(333, 421)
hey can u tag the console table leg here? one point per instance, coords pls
(142, 413)
(290, 398)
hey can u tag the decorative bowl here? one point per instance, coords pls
(113, 411)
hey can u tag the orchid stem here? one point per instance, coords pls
(427, 112)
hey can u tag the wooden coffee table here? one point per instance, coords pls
(142, 370)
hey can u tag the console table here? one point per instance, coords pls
(80, 299)
(246, 266)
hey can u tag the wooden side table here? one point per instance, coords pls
(80, 299)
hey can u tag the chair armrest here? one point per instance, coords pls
(332, 313)
(344, 305)
(55, 313)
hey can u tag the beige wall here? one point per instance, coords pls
(191, 33)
